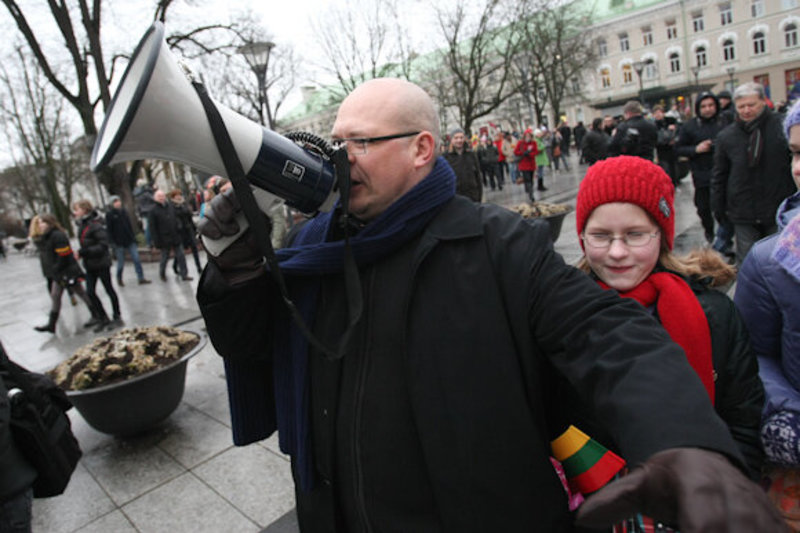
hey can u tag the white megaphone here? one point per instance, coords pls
(157, 114)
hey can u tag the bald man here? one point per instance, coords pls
(437, 414)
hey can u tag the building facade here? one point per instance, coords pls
(665, 52)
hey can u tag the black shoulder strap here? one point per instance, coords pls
(260, 224)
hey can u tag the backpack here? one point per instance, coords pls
(40, 426)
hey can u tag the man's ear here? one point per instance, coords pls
(424, 149)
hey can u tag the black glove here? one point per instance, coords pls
(526, 153)
(219, 219)
(242, 260)
(697, 490)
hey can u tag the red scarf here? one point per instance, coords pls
(683, 318)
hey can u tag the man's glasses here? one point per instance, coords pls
(358, 145)
(634, 239)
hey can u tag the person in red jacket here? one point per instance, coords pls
(526, 151)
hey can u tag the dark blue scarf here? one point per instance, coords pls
(312, 256)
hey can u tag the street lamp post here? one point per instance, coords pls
(695, 73)
(730, 70)
(638, 66)
(257, 56)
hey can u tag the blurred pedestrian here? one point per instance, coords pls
(186, 228)
(594, 147)
(466, 166)
(163, 223)
(526, 150)
(60, 265)
(94, 251)
(636, 135)
(488, 155)
(123, 238)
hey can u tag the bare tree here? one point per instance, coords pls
(363, 40)
(474, 73)
(34, 120)
(556, 51)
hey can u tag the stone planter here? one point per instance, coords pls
(136, 404)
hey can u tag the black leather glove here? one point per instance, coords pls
(697, 490)
(219, 219)
(242, 260)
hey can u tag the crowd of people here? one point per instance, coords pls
(436, 414)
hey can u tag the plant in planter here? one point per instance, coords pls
(127, 382)
(553, 213)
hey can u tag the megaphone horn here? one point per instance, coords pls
(157, 114)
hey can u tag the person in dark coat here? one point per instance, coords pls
(579, 132)
(96, 255)
(635, 135)
(696, 141)
(163, 223)
(667, 130)
(634, 198)
(186, 227)
(466, 166)
(751, 175)
(423, 423)
(489, 157)
(594, 146)
(727, 113)
(122, 236)
(61, 269)
(526, 150)
(16, 473)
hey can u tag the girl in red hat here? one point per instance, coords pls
(626, 223)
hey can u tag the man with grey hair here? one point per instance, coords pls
(751, 174)
(635, 135)
(436, 411)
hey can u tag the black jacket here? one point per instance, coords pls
(595, 146)
(58, 258)
(751, 195)
(186, 227)
(469, 182)
(487, 315)
(635, 136)
(692, 133)
(93, 239)
(164, 225)
(16, 474)
(119, 228)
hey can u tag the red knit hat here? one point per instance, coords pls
(633, 180)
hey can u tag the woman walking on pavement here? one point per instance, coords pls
(95, 252)
(542, 159)
(60, 268)
(526, 150)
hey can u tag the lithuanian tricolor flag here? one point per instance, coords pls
(587, 464)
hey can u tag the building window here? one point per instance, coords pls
(728, 50)
(605, 78)
(697, 22)
(624, 45)
(725, 14)
(790, 35)
(756, 8)
(759, 43)
(576, 85)
(672, 30)
(650, 69)
(789, 4)
(602, 48)
(700, 56)
(627, 74)
(647, 36)
(674, 62)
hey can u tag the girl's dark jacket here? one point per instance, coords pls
(94, 243)
(58, 259)
(469, 324)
